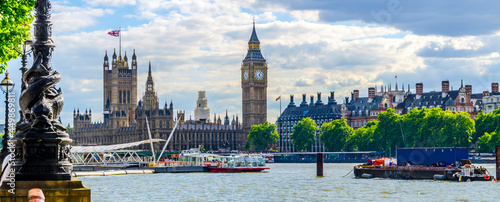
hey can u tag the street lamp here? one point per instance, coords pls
(6, 85)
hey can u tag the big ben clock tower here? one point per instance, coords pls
(254, 85)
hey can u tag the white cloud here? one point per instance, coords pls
(71, 18)
(199, 46)
(308, 15)
(111, 2)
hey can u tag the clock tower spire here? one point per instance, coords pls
(254, 84)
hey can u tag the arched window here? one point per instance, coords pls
(128, 96)
(120, 96)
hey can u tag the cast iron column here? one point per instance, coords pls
(6, 134)
(41, 142)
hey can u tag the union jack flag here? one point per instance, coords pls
(114, 33)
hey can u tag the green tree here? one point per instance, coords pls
(15, 21)
(411, 124)
(262, 136)
(488, 142)
(362, 139)
(486, 123)
(335, 135)
(431, 127)
(388, 133)
(303, 134)
(457, 130)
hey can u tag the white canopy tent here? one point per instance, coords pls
(108, 154)
(109, 148)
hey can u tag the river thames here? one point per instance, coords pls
(284, 182)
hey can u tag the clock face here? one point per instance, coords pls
(245, 75)
(259, 75)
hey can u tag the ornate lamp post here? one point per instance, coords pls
(41, 142)
(6, 85)
(42, 151)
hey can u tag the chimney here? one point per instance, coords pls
(312, 101)
(292, 104)
(468, 91)
(319, 102)
(494, 87)
(304, 102)
(355, 95)
(346, 100)
(332, 98)
(371, 92)
(445, 86)
(486, 93)
(420, 88)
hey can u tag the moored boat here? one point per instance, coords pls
(188, 161)
(425, 163)
(236, 164)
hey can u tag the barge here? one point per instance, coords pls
(425, 163)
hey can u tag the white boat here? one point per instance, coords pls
(239, 163)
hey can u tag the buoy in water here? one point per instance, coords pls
(366, 175)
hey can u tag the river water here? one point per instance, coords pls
(284, 182)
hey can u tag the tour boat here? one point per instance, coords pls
(236, 164)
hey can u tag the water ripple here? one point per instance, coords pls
(283, 182)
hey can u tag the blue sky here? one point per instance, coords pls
(311, 46)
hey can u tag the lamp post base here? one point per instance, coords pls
(43, 156)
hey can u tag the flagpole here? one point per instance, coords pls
(280, 105)
(120, 36)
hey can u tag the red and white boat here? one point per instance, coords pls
(237, 164)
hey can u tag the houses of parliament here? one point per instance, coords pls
(125, 117)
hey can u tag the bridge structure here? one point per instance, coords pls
(110, 156)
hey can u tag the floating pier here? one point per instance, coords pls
(112, 172)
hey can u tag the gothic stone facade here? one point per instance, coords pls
(254, 84)
(122, 125)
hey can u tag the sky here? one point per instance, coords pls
(310, 46)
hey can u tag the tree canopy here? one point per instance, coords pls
(335, 135)
(419, 128)
(487, 131)
(388, 132)
(15, 20)
(303, 134)
(488, 142)
(486, 123)
(262, 136)
(363, 138)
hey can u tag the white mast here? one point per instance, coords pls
(168, 140)
(151, 140)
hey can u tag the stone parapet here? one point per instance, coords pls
(54, 191)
